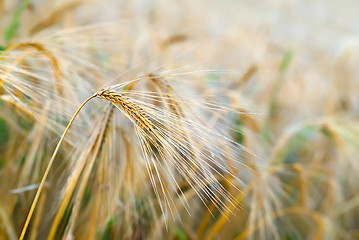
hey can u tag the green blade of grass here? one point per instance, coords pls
(11, 30)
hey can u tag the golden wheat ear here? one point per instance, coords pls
(135, 113)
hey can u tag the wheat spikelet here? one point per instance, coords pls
(135, 112)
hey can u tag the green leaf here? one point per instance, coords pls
(238, 131)
(287, 58)
(4, 132)
(109, 229)
(4, 138)
(11, 31)
(180, 234)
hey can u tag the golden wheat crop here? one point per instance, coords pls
(179, 119)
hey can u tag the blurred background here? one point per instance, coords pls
(289, 67)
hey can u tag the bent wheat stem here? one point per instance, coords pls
(48, 169)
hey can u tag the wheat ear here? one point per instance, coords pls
(135, 112)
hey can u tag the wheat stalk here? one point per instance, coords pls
(48, 169)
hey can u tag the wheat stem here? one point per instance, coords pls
(48, 169)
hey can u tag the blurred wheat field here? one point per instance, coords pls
(202, 119)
